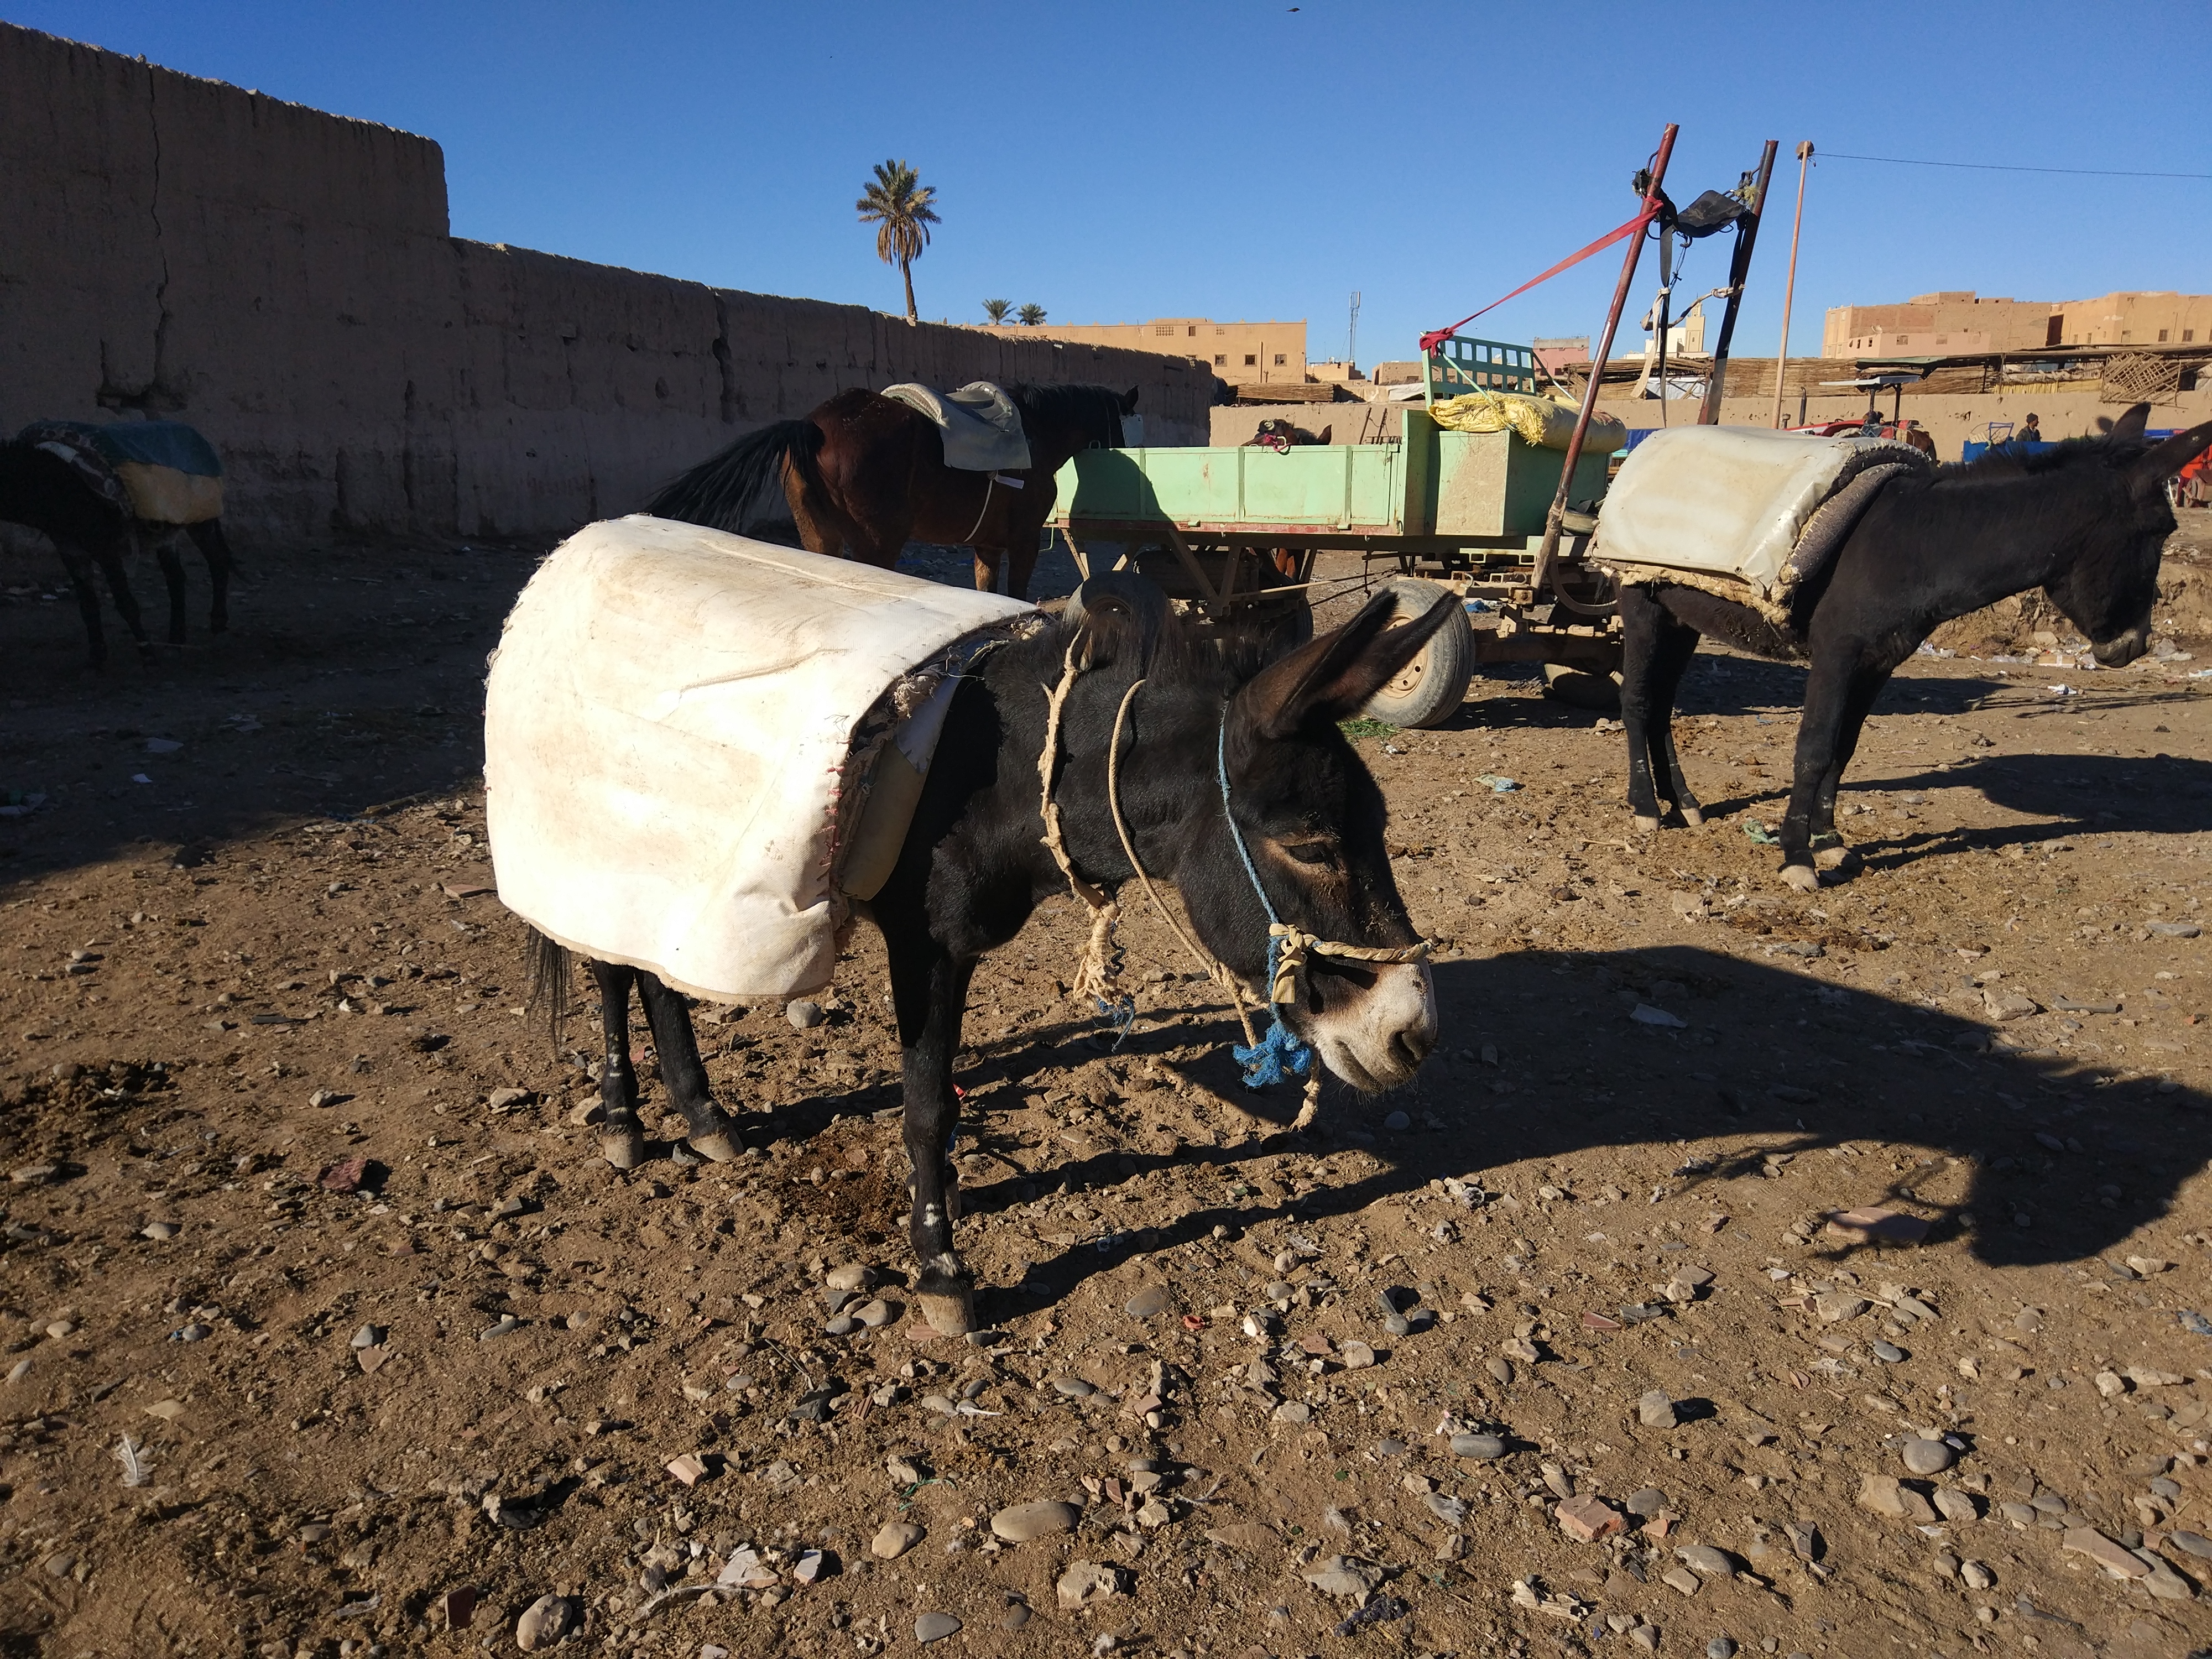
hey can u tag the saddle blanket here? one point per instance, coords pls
(166, 472)
(1733, 501)
(699, 749)
(981, 426)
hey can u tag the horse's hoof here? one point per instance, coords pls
(1645, 826)
(1694, 816)
(718, 1147)
(1833, 858)
(950, 1313)
(625, 1148)
(1802, 877)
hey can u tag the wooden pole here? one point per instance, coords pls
(1790, 287)
(1553, 520)
(1746, 237)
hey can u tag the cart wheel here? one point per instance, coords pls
(1428, 690)
(1578, 688)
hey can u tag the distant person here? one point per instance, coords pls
(2029, 433)
(1871, 425)
(1916, 435)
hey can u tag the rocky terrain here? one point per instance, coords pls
(1749, 1272)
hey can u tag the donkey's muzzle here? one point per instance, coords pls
(1377, 1039)
(2122, 649)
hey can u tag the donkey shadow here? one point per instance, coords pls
(2070, 795)
(1965, 1132)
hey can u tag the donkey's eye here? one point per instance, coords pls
(1310, 852)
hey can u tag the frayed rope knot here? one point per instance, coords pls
(1280, 1052)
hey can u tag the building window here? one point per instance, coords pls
(1220, 330)
(1280, 360)
(1193, 330)
(2162, 336)
(2187, 335)
(1164, 328)
(1221, 359)
(1251, 360)
(1905, 339)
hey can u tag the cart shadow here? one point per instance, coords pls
(1862, 1070)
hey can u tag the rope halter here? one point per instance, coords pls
(1290, 950)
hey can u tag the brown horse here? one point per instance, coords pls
(865, 474)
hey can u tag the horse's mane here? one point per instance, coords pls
(1076, 404)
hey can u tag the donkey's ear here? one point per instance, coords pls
(1321, 437)
(2162, 460)
(2128, 428)
(1332, 678)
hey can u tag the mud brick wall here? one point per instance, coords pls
(283, 279)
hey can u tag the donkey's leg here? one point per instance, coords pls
(669, 1017)
(1866, 686)
(215, 548)
(622, 1137)
(172, 573)
(1643, 623)
(126, 603)
(88, 599)
(1827, 704)
(988, 562)
(930, 990)
(1676, 646)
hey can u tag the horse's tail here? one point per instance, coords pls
(719, 492)
(549, 965)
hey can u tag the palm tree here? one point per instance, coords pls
(901, 207)
(996, 310)
(1030, 315)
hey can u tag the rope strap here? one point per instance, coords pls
(1097, 975)
(1292, 948)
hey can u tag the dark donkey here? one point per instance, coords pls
(865, 474)
(974, 867)
(2085, 521)
(89, 526)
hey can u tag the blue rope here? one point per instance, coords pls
(1279, 1049)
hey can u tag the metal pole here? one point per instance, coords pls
(1550, 546)
(1747, 238)
(1666, 296)
(1790, 287)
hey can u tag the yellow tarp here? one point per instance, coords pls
(1539, 420)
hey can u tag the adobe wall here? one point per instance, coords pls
(283, 279)
(1951, 422)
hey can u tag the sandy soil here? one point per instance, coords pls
(265, 1095)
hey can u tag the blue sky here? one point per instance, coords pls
(1114, 163)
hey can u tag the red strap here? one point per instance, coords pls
(1437, 337)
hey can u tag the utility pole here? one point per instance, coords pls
(1790, 287)
(1746, 237)
(1351, 334)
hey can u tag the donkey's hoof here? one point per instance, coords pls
(624, 1149)
(1692, 816)
(1833, 858)
(950, 1312)
(718, 1147)
(1645, 826)
(1802, 877)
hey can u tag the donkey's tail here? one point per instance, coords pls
(549, 965)
(720, 492)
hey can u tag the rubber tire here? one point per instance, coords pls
(1434, 684)
(1578, 688)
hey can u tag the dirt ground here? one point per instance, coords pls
(327, 1331)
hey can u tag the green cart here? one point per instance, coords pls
(1233, 533)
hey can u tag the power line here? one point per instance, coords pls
(2002, 166)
